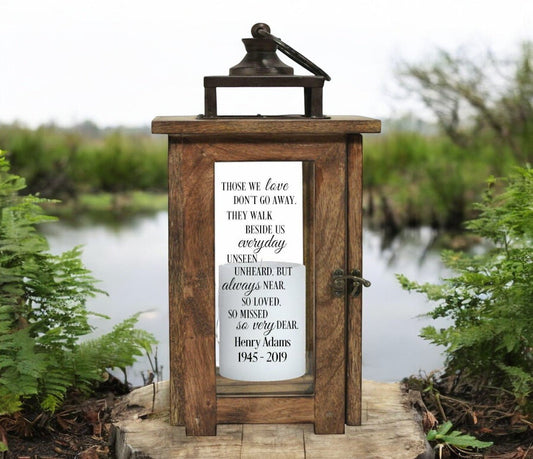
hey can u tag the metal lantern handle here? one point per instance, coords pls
(261, 30)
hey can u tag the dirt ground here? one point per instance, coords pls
(487, 415)
(81, 429)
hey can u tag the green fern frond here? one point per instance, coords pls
(9, 402)
(43, 312)
(120, 347)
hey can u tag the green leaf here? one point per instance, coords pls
(455, 438)
(444, 428)
(463, 441)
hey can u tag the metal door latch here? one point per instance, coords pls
(355, 283)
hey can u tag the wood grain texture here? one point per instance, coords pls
(196, 294)
(354, 237)
(279, 441)
(187, 125)
(175, 281)
(390, 429)
(265, 410)
(330, 310)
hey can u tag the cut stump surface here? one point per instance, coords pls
(390, 428)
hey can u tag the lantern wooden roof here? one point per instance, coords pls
(335, 125)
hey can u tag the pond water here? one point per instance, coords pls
(130, 260)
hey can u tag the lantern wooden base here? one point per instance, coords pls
(332, 150)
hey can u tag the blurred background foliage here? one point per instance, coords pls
(417, 172)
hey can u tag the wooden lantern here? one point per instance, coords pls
(328, 150)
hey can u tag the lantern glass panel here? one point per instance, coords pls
(264, 312)
(267, 101)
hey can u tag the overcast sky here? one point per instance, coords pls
(124, 62)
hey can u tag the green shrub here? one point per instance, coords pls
(67, 162)
(44, 157)
(428, 179)
(122, 163)
(43, 314)
(489, 300)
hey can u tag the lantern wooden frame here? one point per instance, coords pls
(333, 233)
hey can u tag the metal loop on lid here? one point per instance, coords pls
(261, 30)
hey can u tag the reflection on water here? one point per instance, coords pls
(131, 262)
(392, 349)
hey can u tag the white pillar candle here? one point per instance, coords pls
(262, 321)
